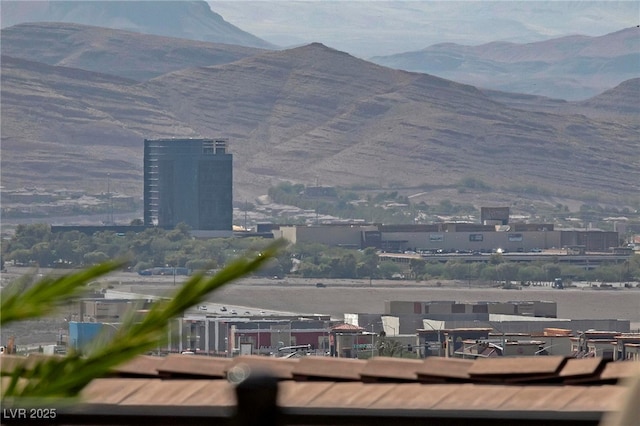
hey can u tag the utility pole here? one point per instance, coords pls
(246, 206)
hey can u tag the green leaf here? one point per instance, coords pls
(65, 377)
(49, 293)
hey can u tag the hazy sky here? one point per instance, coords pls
(368, 28)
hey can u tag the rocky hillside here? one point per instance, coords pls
(119, 53)
(192, 20)
(307, 114)
(572, 68)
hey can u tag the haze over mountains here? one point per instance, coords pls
(572, 67)
(192, 20)
(306, 114)
(77, 102)
(381, 28)
(537, 47)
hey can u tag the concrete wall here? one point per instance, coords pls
(107, 310)
(399, 307)
(453, 310)
(328, 235)
(545, 308)
(556, 345)
(537, 326)
(511, 241)
(391, 325)
(501, 308)
(481, 240)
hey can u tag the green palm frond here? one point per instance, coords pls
(47, 294)
(64, 377)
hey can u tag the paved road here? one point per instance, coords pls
(354, 296)
(359, 296)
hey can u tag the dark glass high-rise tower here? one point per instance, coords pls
(190, 181)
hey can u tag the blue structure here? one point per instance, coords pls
(81, 334)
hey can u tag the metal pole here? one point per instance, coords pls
(206, 334)
(372, 340)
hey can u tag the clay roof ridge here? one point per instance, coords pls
(538, 398)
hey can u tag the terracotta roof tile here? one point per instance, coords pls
(11, 362)
(112, 391)
(142, 366)
(204, 398)
(351, 395)
(413, 396)
(539, 398)
(279, 367)
(169, 394)
(516, 366)
(597, 398)
(620, 370)
(441, 369)
(300, 394)
(190, 365)
(583, 367)
(311, 367)
(387, 368)
(219, 393)
(349, 328)
(160, 392)
(6, 381)
(166, 392)
(475, 397)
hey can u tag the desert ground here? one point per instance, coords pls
(347, 296)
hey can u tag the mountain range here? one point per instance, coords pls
(380, 28)
(76, 109)
(572, 67)
(565, 50)
(193, 20)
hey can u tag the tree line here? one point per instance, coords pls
(36, 245)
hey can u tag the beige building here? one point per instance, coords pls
(537, 308)
(449, 237)
(331, 235)
(107, 310)
(627, 347)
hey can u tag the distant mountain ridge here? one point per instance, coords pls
(305, 115)
(193, 20)
(572, 67)
(108, 50)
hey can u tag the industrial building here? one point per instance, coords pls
(534, 308)
(188, 181)
(452, 237)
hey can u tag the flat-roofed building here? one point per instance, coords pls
(539, 308)
(188, 181)
(349, 235)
